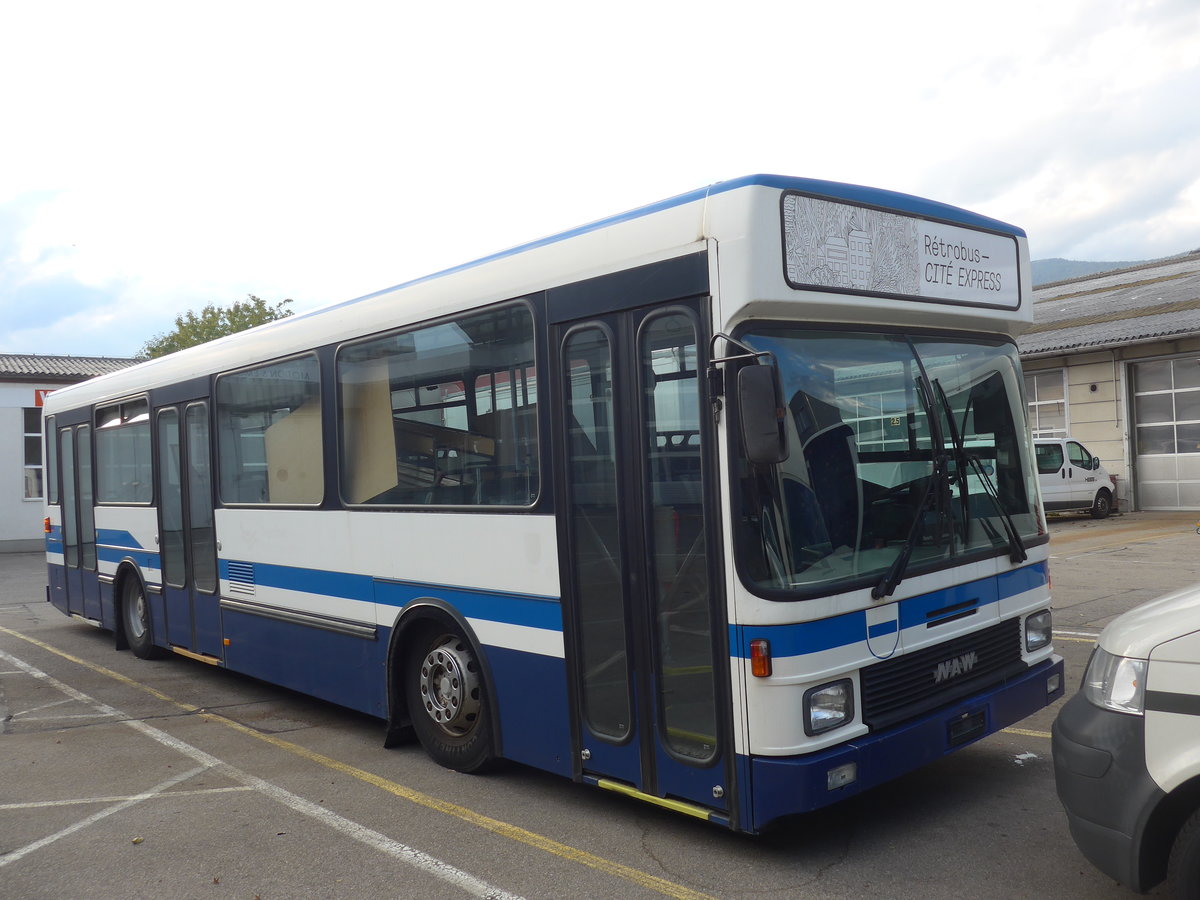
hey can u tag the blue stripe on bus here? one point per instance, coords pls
(962, 597)
(1021, 580)
(495, 606)
(116, 537)
(308, 581)
(882, 628)
(851, 628)
(514, 609)
(145, 559)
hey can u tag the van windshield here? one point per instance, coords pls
(904, 452)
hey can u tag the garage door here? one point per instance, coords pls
(1166, 411)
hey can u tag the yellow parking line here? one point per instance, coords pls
(503, 829)
(1025, 732)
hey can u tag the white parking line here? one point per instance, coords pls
(85, 801)
(22, 852)
(410, 855)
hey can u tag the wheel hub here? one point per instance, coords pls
(450, 686)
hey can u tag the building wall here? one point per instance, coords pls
(20, 519)
(1100, 418)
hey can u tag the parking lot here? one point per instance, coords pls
(126, 778)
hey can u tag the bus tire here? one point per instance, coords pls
(1102, 505)
(447, 700)
(135, 619)
(1183, 871)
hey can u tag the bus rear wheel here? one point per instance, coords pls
(135, 617)
(447, 701)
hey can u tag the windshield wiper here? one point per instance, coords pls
(960, 456)
(1016, 547)
(895, 572)
(939, 477)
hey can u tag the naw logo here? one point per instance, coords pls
(953, 668)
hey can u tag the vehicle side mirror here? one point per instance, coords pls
(761, 414)
(1095, 462)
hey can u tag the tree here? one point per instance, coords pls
(214, 322)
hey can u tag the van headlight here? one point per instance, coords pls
(1116, 682)
(828, 706)
(1039, 628)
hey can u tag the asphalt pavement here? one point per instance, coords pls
(126, 778)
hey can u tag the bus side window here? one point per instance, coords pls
(444, 416)
(269, 440)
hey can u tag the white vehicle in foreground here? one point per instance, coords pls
(1127, 748)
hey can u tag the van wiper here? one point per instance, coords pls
(1016, 547)
(938, 477)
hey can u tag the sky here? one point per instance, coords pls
(157, 157)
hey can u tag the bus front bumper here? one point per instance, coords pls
(788, 785)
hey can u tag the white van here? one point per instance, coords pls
(1070, 477)
(1127, 748)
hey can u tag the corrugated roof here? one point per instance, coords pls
(32, 367)
(1150, 302)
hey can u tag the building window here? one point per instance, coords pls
(1166, 404)
(33, 453)
(1047, 398)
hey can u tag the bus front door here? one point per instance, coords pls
(187, 540)
(640, 592)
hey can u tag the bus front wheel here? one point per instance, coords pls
(446, 695)
(135, 617)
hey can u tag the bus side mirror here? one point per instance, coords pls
(761, 414)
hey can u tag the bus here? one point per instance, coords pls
(727, 503)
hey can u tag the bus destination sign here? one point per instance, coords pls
(853, 248)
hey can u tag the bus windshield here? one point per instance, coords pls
(904, 453)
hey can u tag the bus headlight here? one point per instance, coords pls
(1038, 630)
(828, 706)
(1116, 682)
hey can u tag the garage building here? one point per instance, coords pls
(25, 379)
(1113, 360)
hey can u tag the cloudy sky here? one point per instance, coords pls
(160, 156)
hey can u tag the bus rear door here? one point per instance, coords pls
(187, 539)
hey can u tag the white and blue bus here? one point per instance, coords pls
(727, 503)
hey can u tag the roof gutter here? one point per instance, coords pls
(1108, 345)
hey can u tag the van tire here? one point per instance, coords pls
(1183, 872)
(1102, 505)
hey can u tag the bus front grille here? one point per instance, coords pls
(915, 683)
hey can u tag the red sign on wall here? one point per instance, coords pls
(39, 397)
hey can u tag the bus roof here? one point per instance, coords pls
(855, 194)
(265, 342)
